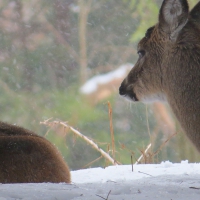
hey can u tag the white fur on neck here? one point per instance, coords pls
(153, 98)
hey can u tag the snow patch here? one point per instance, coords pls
(124, 172)
(92, 84)
(166, 164)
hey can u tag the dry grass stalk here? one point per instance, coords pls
(143, 155)
(132, 162)
(147, 156)
(77, 133)
(89, 164)
(147, 119)
(111, 129)
(123, 147)
(163, 144)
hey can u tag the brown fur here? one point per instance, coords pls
(28, 158)
(168, 67)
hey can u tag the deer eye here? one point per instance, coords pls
(141, 53)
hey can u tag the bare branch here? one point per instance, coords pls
(89, 141)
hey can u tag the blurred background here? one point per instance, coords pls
(65, 59)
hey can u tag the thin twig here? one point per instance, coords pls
(144, 173)
(77, 133)
(132, 162)
(108, 194)
(103, 197)
(196, 188)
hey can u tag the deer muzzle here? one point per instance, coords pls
(127, 92)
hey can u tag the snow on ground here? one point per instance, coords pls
(165, 181)
(124, 172)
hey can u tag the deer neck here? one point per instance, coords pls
(182, 90)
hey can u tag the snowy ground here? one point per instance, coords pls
(165, 181)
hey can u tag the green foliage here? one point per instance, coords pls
(145, 13)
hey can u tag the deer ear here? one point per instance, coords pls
(195, 13)
(173, 16)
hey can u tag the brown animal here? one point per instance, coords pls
(168, 67)
(28, 158)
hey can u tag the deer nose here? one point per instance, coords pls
(122, 90)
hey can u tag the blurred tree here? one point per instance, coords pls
(84, 7)
(62, 24)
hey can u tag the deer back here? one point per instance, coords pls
(26, 157)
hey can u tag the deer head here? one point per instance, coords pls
(162, 52)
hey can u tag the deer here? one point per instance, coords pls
(26, 157)
(168, 66)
